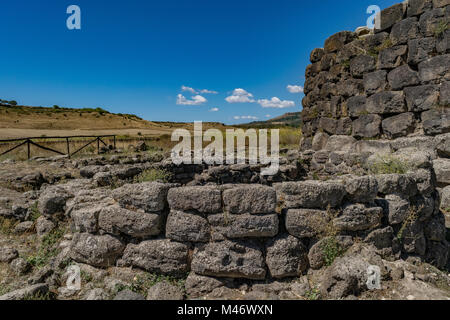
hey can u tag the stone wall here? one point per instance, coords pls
(390, 83)
(249, 232)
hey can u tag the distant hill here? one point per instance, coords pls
(291, 119)
(24, 121)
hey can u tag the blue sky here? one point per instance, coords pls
(134, 56)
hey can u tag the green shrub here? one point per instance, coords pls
(388, 165)
(153, 175)
(331, 249)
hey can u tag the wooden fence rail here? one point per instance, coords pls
(29, 142)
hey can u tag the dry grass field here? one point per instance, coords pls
(22, 122)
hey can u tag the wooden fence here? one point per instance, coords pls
(29, 142)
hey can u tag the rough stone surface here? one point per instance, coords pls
(229, 259)
(306, 223)
(159, 256)
(253, 199)
(204, 200)
(182, 226)
(286, 256)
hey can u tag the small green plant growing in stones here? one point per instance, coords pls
(153, 175)
(313, 294)
(142, 283)
(47, 248)
(441, 28)
(346, 64)
(35, 214)
(412, 217)
(388, 165)
(40, 296)
(331, 250)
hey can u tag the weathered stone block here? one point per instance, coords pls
(386, 102)
(201, 199)
(361, 65)
(338, 40)
(390, 16)
(392, 57)
(402, 77)
(436, 121)
(147, 196)
(286, 256)
(361, 189)
(310, 194)
(444, 97)
(319, 141)
(358, 217)
(356, 106)
(98, 251)
(399, 126)
(345, 126)
(249, 199)
(316, 55)
(420, 50)
(306, 223)
(430, 20)
(421, 98)
(190, 227)
(442, 170)
(435, 69)
(116, 221)
(396, 184)
(329, 125)
(417, 7)
(375, 81)
(243, 226)
(340, 143)
(367, 126)
(159, 256)
(404, 30)
(229, 259)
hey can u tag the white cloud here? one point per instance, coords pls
(276, 103)
(189, 89)
(245, 118)
(294, 89)
(240, 96)
(214, 109)
(194, 101)
(206, 91)
(268, 115)
(195, 91)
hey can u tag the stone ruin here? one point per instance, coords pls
(316, 227)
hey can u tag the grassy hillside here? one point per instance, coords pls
(292, 119)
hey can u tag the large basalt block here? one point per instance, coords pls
(340, 143)
(201, 199)
(147, 196)
(399, 126)
(417, 7)
(361, 189)
(338, 40)
(402, 184)
(361, 65)
(444, 97)
(316, 55)
(420, 50)
(356, 106)
(286, 256)
(421, 98)
(386, 102)
(98, 251)
(402, 77)
(358, 217)
(435, 69)
(436, 121)
(367, 126)
(306, 223)
(229, 259)
(159, 256)
(190, 227)
(310, 194)
(249, 199)
(404, 30)
(392, 57)
(243, 226)
(390, 16)
(442, 170)
(375, 81)
(430, 21)
(116, 221)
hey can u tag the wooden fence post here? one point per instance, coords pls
(28, 149)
